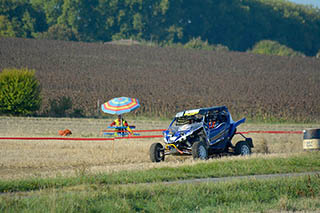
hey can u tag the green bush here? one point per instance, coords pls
(61, 107)
(267, 47)
(19, 92)
(58, 107)
(197, 43)
(77, 113)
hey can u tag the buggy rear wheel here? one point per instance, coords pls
(199, 150)
(242, 148)
(156, 152)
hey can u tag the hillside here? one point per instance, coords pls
(167, 80)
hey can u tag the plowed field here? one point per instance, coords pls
(167, 80)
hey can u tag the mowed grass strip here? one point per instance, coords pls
(280, 194)
(304, 162)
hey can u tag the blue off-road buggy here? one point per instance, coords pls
(201, 133)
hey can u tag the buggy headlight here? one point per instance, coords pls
(172, 138)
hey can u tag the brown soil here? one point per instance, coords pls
(167, 80)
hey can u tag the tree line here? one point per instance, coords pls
(236, 24)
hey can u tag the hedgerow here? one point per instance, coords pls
(197, 43)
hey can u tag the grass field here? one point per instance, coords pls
(145, 191)
(88, 176)
(67, 158)
(278, 195)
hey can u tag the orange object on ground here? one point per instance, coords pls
(65, 132)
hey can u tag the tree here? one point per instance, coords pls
(25, 20)
(59, 32)
(82, 16)
(51, 8)
(6, 28)
(19, 92)
(239, 25)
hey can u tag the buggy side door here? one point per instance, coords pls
(219, 131)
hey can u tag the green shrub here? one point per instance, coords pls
(58, 107)
(77, 113)
(197, 43)
(19, 92)
(267, 47)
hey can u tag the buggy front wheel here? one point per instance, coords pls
(156, 152)
(199, 150)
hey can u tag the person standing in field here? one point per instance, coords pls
(120, 122)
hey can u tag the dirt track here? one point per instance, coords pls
(247, 177)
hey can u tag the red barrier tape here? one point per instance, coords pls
(55, 138)
(248, 132)
(150, 130)
(135, 137)
(132, 137)
(78, 139)
(273, 132)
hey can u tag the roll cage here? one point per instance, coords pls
(212, 114)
